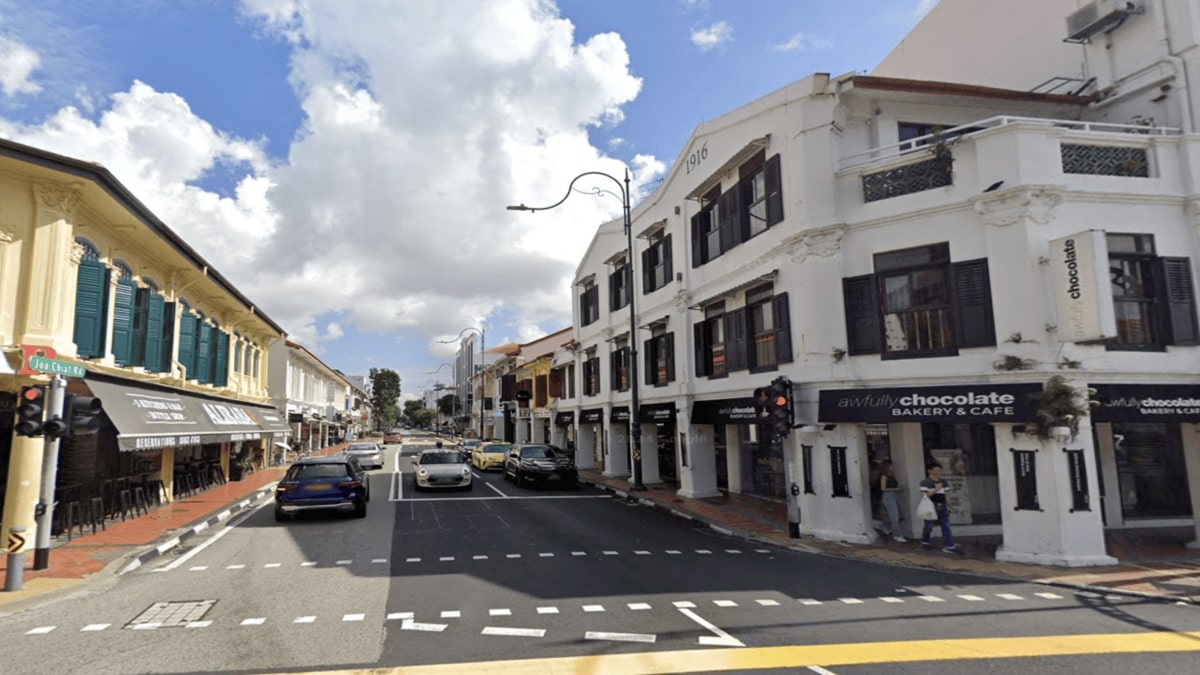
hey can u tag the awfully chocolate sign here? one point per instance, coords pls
(967, 403)
(1146, 403)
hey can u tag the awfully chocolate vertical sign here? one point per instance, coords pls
(1025, 472)
(1077, 473)
(841, 475)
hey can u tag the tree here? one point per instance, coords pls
(448, 405)
(411, 408)
(385, 392)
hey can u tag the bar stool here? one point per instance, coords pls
(75, 518)
(156, 492)
(140, 502)
(96, 514)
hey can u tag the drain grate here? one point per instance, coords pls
(164, 614)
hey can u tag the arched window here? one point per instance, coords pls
(128, 334)
(151, 284)
(91, 302)
(90, 252)
(126, 273)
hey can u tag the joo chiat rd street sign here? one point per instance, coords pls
(41, 359)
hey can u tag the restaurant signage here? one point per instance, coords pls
(724, 411)
(656, 412)
(1146, 403)
(593, 416)
(1082, 288)
(966, 403)
(619, 414)
(564, 418)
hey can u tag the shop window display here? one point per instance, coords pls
(1151, 474)
(967, 453)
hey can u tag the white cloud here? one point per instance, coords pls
(17, 64)
(802, 42)
(716, 35)
(389, 209)
(923, 8)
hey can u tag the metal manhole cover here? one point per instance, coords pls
(164, 614)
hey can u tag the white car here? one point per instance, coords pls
(443, 468)
(369, 455)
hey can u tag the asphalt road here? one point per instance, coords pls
(501, 573)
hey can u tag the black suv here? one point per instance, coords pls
(333, 483)
(536, 462)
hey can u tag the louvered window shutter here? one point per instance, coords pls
(700, 238)
(736, 354)
(91, 295)
(221, 370)
(669, 346)
(973, 325)
(141, 299)
(862, 314)
(153, 352)
(668, 260)
(122, 329)
(783, 328)
(774, 187)
(700, 335)
(204, 353)
(188, 325)
(1181, 300)
(726, 223)
(648, 361)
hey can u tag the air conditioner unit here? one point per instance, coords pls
(1099, 16)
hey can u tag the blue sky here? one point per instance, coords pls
(347, 164)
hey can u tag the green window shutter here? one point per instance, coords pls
(122, 340)
(168, 337)
(141, 308)
(91, 294)
(237, 356)
(204, 353)
(152, 350)
(221, 374)
(187, 344)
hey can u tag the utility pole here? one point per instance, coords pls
(44, 512)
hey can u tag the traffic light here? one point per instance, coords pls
(762, 401)
(30, 411)
(80, 415)
(781, 407)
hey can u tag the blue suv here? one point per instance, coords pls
(334, 483)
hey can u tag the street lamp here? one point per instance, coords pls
(482, 368)
(634, 423)
(454, 401)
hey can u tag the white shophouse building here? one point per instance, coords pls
(919, 258)
(316, 398)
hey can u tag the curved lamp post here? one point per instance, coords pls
(482, 367)
(623, 194)
(454, 402)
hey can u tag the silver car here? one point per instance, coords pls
(443, 468)
(369, 455)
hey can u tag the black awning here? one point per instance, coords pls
(147, 418)
(619, 413)
(563, 419)
(656, 413)
(593, 416)
(724, 411)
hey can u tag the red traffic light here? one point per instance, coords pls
(33, 394)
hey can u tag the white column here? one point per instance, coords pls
(585, 446)
(837, 518)
(698, 479)
(733, 458)
(1055, 534)
(616, 461)
(650, 452)
(1191, 459)
(908, 456)
(1106, 450)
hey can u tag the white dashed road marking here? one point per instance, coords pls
(1009, 596)
(1049, 596)
(931, 598)
(257, 621)
(768, 603)
(971, 598)
(684, 604)
(353, 617)
(94, 627)
(499, 612)
(891, 599)
(399, 615)
(639, 606)
(851, 601)
(198, 624)
(593, 608)
(452, 614)
(725, 603)
(409, 624)
(547, 610)
(621, 637)
(808, 601)
(305, 619)
(514, 632)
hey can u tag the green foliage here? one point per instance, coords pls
(385, 393)
(447, 405)
(1058, 405)
(411, 408)
(422, 416)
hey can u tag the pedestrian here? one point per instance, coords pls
(934, 488)
(890, 488)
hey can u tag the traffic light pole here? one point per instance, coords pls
(44, 513)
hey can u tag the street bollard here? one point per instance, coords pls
(15, 577)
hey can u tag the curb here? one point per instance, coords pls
(195, 528)
(1099, 591)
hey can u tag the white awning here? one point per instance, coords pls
(734, 288)
(732, 163)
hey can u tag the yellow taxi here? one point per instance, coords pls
(489, 455)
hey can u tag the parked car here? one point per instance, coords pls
(443, 468)
(370, 455)
(490, 455)
(333, 483)
(539, 463)
(392, 436)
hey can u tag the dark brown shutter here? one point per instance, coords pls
(783, 328)
(647, 273)
(862, 314)
(667, 260)
(973, 324)
(736, 355)
(1181, 300)
(725, 222)
(669, 346)
(701, 348)
(507, 384)
(648, 354)
(700, 238)
(540, 391)
(613, 377)
(556, 378)
(774, 185)
(612, 291)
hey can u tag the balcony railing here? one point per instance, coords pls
(931, 173)
(1105, 160)
(918, 330)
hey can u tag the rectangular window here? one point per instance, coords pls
(761, 327)
(656, 265)
(660, 359)
(710, 343)
(1153, 298)
(620, 369)
(918, 303)
(618, 287)
(911, 130)
(706, 242)
(589, 305)
(570, 383)
(591, 376)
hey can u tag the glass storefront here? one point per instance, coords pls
(967, 453)
(1151, 475)
(721, 450)
(879, 450)
(766, 477)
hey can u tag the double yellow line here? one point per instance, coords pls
(799, 656)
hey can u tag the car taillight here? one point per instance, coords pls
(350, 484)
(285, 487)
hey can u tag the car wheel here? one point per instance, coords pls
(520, 478)
(360, 510)
(280, 516)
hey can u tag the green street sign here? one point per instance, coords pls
(44, 365)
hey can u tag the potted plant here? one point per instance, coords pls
(1057, 409)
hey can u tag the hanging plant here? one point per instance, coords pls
(1058, 405)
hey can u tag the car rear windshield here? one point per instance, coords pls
(495, 448)
(362, 448)
(537, 452)
(303, 471)
(441, 458)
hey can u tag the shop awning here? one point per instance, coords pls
(147, 419)
(272, 421)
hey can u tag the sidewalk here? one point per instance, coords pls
(122, 543)
(1154, 563)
